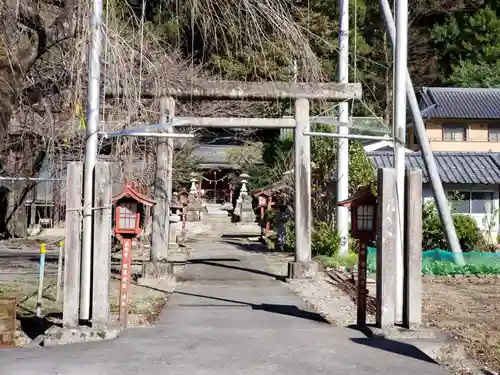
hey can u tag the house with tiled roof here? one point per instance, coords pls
(459, 119)
(472, 180)
(463, 127)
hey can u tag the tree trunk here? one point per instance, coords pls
(27, 35)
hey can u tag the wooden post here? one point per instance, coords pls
(302, 266)
(72, 245)
(102, 245)
(125, 280)
(361, 305)
(386, 247)
(162, 187)
(412, 301)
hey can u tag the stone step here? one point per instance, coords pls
(216, 219)
(215, 208)
(217, 214)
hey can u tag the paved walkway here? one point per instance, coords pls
(228, 317)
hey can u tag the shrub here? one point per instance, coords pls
(325, 241)
(433, 237)
(446, 268)
(270, 216)
(348, 261)
(442, 268)
(432, 233)
(468, 232)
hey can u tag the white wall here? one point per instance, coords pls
(494, 189)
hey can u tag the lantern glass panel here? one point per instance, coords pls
(128, 215)
(365, 218)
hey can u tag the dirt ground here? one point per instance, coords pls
(467, 307)
(19, 263)
(145, 304)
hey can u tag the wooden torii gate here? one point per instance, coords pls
(301, 93)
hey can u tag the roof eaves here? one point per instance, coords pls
(481, 168)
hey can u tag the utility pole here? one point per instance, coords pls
(399, 126)
(429, 162)
(343, 143)
(90, 155)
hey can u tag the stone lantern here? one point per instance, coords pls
(244, 207)
(244, 181)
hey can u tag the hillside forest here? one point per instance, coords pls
(451, 42)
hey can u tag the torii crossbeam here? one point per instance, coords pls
(200, 89)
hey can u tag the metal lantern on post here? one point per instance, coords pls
(183, 198)
(264, 200)
(129, 206)
(363, 205)
(183, 201)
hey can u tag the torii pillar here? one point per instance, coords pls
(302, 266)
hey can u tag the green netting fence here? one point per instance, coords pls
(441, 262)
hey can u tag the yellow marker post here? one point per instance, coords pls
(43, 250)
(59, 271)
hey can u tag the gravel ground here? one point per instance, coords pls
(449, 304)
(320, 293)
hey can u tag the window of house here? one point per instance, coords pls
(454, 133)
(494, 133)
(475, 202)
(460, 201)
(481, 202)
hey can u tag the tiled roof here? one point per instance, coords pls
(460, 103)
(454, 167)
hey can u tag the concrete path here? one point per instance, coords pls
(229, 316)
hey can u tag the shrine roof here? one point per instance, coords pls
(131, 191)
(271, 189)
(363, 194)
